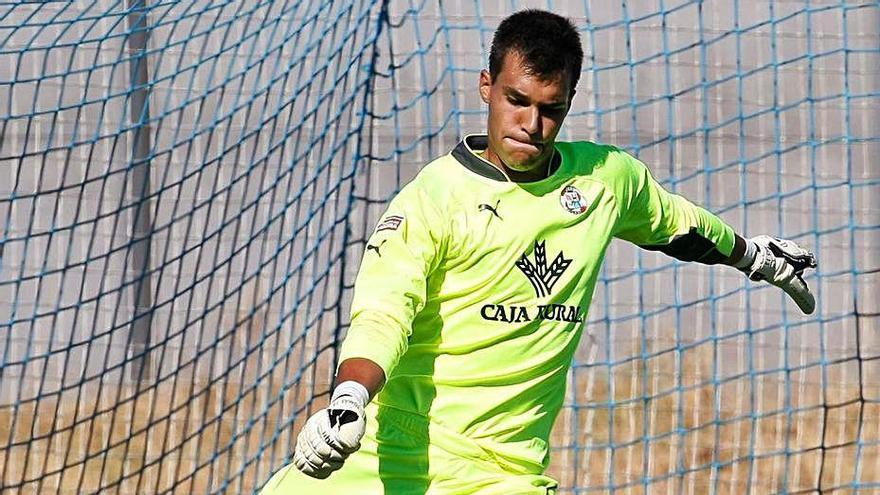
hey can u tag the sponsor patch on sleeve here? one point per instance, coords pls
(391, 222)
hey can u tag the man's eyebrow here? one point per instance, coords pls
(510, 91)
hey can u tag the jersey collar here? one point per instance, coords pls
(466, 154)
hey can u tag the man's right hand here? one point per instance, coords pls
(332, 434)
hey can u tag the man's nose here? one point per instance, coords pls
(532, 121)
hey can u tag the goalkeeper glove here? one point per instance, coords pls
(781, 263)
(331, 434)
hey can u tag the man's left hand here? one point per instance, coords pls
(782, 263)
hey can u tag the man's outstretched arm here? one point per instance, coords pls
(739, 249)
(658, 220)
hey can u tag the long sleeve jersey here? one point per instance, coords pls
(473, 289)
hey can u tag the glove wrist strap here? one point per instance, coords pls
(351, 389)
(749, 256)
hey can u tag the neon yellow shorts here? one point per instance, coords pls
(398, 459)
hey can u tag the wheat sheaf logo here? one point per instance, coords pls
(542, 276)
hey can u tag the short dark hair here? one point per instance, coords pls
(548, 43)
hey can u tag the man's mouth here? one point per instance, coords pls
(526, 144)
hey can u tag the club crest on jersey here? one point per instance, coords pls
(391, 222)
(572, 200)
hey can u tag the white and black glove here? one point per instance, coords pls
(332, 434)
(781, 263)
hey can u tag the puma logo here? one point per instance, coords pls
(493, 209)
(376, 248)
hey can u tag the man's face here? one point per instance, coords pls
(525, 113)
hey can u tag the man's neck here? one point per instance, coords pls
(539, 172)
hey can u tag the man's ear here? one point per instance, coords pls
(485, 85)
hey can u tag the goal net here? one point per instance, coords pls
(186, 189)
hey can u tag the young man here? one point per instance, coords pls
(474, 287)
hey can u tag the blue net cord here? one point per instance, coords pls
(251, 123)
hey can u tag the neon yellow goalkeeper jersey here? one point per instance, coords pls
(473, 290)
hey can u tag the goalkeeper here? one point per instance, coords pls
(473, 290)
